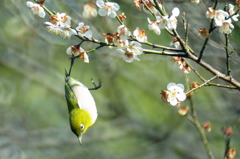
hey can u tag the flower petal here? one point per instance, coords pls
(181, 96)
(175, 12)
(170, 85)
(181, 86)
(102, 12)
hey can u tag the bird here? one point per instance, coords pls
(81, 106)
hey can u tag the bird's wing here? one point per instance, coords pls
(81, 97)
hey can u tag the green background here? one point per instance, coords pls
(133, 121)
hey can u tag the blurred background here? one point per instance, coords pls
(133, 121)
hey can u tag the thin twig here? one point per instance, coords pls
(185, 24)
(195, 71)
(196, 123)
(162, 47)
(163, 52)
(194, 120)
(221, 85)
(227, 55)
(190, 91)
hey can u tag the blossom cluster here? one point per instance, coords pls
(36, 9)
(128, 43)
(60, 24)
(223, 19)
(129, 49)
(162, 21)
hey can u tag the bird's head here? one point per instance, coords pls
(80, 121)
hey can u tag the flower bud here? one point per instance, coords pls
(203, 32)
(194, 84)
(228, 131)
(122, 17)
(138, 4)
(164, 95)
(41, 1)
(231, 153)
(207, 126)
(183, 110)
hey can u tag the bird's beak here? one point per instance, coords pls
(80, 138)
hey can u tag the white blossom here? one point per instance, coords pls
(175, 44)
(123, 32)
(219, 17)
(154, 27)
(226, 27)
(36, 9)
(231, 12)
(83, 30)
(210, 13)
(107, 8)
(135, 47)
(122, 44)
(130, 54)
(61, 25)
(89, 10)
(65, 32)
(162, 21)
(172, 20)
(61, 19)
(140, 35)
(78, 51)
(175, 93)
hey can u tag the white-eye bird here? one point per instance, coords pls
(81, 106)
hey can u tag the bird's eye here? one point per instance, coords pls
(81, 127)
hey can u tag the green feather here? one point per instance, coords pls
(70, 96)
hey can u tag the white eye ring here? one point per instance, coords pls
(81, 127)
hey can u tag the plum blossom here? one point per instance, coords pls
(223, 19)
(36, 9)
(175, 93)
(61, 20)
(182, 64)
(140, 35)
(135, 47)
(172, 20)
(83, 30)
(154, 27)
(130, 54)
(89, 10)
(162, 21)
(219, 17)
(76, 50)
(65, 32)
(123, 32)
(175, 43)
(232, 12)
(226, 27)
(210, 13)
(121, 44)
(61, 25)
(107, 8)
